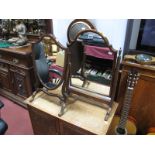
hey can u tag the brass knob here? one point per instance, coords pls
(20, 85)
(15, 60)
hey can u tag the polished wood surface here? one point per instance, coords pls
(151, 131)
(22, 50)
(16, 73)
(80, 117)
(143, 100)
(132, 58)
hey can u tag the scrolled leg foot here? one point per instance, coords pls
(34, 94)
(62, 110)
(107, 114)
(85, 83)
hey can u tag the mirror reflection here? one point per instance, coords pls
(93, 71)
(49, 62)
(48, 59)
(76, 26)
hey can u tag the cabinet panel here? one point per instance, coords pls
(69, 129)
(19, 82)
(4, 81)
(43, 123)
(143, 100)
(16, 73)
(143, 104)
(4, 77)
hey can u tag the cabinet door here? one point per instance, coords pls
(19, 82)
(143, 104)
(4, 77)
(143, 100)
(43, 123)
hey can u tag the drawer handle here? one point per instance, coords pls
(15, 60)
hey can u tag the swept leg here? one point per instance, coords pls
(63, 106)
(107, 114)
(35, 93)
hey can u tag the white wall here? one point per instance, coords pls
(114, 30)
(60, 29)
(134, 34)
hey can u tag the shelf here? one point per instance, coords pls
(35, 27)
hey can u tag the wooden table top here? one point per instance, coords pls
(22, 50)
(134, 64)
(78, 112)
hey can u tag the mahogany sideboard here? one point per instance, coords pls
(16, 73)
(80, 118)
(143, 100)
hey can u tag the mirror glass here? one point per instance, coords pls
(76, 26)
(92, 62)
(49, 60)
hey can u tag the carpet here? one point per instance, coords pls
(17, 118)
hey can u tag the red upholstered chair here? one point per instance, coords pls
(3, 124)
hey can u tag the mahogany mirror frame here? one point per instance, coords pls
(106, 100)
(39, 80)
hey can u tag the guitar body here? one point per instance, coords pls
(151, 131)
(130, 126)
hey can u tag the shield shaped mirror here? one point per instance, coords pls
(93, 67)
(49, 61)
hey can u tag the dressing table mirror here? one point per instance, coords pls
(76, 26)
(49, 65)
(92, 69)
